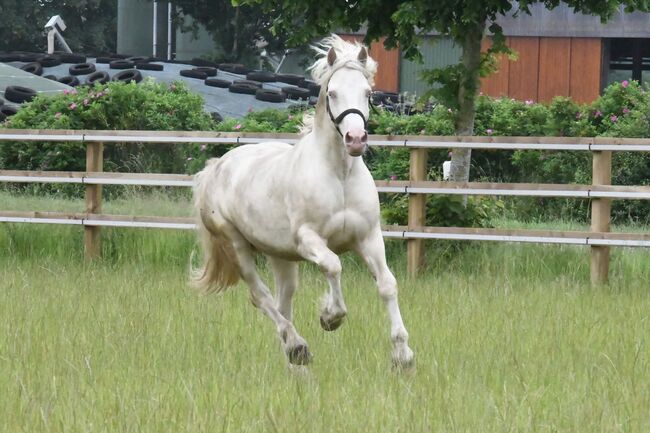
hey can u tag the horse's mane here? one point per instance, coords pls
(346, 56)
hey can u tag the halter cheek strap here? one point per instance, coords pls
(338, 119)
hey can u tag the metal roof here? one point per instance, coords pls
(216, 99)
(564, 22)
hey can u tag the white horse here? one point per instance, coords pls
(311, 201)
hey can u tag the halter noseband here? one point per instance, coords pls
(337, 120)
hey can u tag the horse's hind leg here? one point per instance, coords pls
(286, 283)
(293, 344)
(313, 248)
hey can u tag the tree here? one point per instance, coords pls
(235, 30)
(92, 24)
(403, 23)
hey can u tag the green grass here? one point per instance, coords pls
(508, 338)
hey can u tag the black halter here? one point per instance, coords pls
(337, 120)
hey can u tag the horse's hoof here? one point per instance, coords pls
(404, 361)
(332, 323)
(299, 355)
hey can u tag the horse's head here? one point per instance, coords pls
(346, 76)
(348, 93)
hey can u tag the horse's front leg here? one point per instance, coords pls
(314, 248)
(372, 251)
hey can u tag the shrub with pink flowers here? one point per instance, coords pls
(146, 106)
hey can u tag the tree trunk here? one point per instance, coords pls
(468, 89)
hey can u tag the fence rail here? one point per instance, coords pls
(600, 192)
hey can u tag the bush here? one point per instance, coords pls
(115, 106)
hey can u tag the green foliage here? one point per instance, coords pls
(235, 30)
(92, 24)
(119, 106)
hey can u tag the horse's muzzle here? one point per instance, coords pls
(356, 142)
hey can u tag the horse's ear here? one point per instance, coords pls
(363, 55)
(331, 57)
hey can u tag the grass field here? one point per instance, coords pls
(508, 338)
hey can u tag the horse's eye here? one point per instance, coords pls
(368, 93)
(331, 94)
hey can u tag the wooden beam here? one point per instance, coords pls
(417, 210)
(94, 163)
(600, 217)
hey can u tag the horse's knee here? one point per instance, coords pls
(331, 265)
(387, 287)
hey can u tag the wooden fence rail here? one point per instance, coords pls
(600, 192)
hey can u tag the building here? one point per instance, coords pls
(560, 53)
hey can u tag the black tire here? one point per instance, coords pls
(217, 82)
(51, 77)
(192, 73)
(9, 57)
(30, 57)
(231, 67)
(7, 111)
(115, 56)
(246, 89)
(104, 60)
(208, 70)
(72, 58)
(50, 61)
(100, 77)
(296, 93)
(33, 68)
(70, 80)
(261, 76)
(248, 83)
(19, 94)
(149, 66)
(314, 88)
(270, 95)
(82, 69)
(203, 63)
(290, 79)
(128, 75)
(121, 64)
(139, 59)
(218, 118)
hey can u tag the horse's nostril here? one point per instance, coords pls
(364, 139)
(348, 139)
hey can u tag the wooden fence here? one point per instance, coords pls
(600, 192)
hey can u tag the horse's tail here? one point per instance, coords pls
(220, 268)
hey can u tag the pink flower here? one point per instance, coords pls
(72, 106)
(203, 147)
(480, 93)
(86, 101)
(489, 131)
(529, 102)
(66, 91)
(290, 117)
(598, 113)
(613, 118)
(57, 115)
(578, 115)
(73, 91)
(625, 83)
(393, 177)
(238, 126)
(626, 110)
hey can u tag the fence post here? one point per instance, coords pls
(416, 216)
(600, 216)
(94, 163)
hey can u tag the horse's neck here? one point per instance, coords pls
(326, 147)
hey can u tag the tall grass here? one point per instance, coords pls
(508, 338)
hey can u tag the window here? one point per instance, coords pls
(629, 59)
